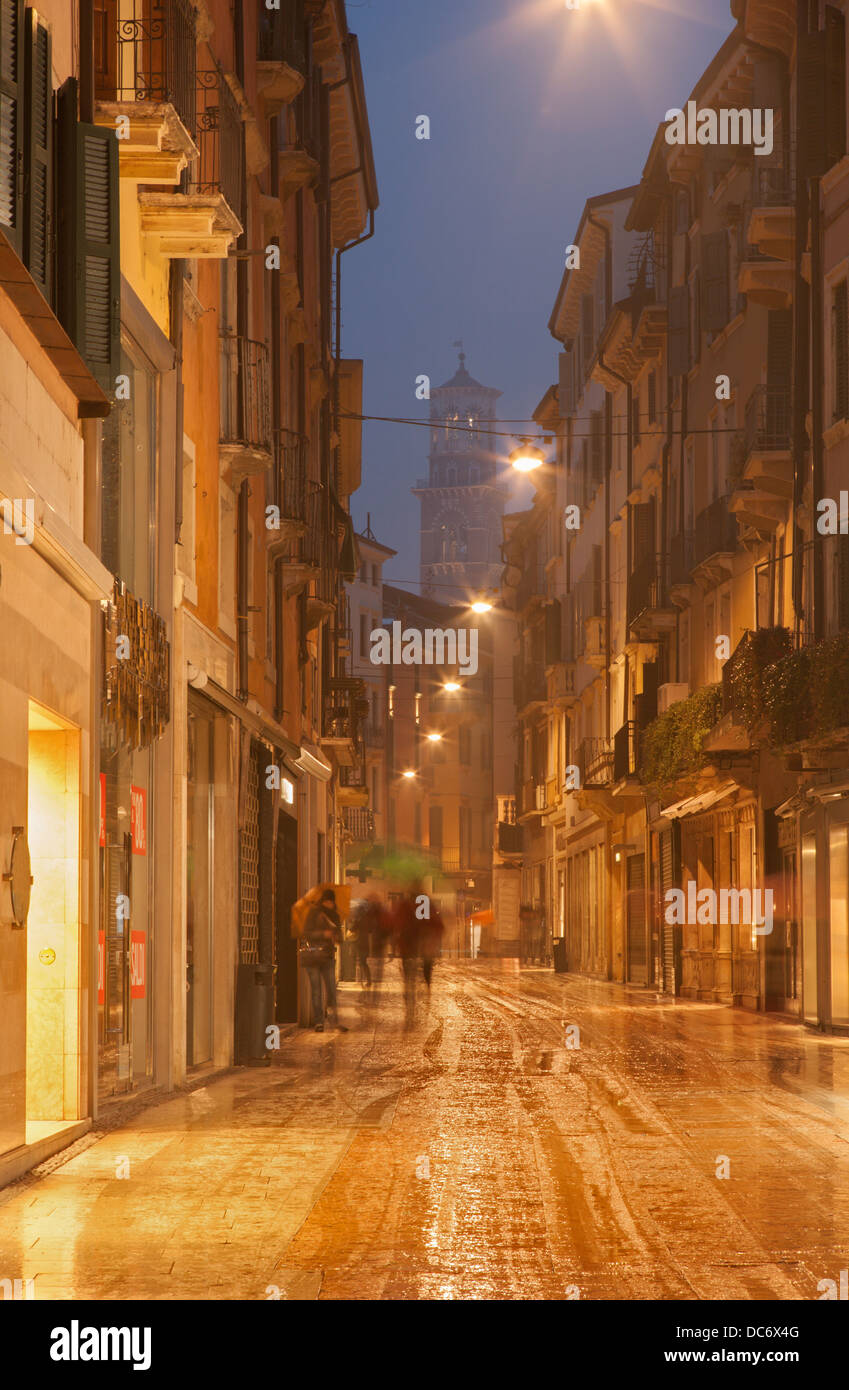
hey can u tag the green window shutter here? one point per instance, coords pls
(714, 292)
(89, 303)
(11, 120)
(38, 155)
(679, 330)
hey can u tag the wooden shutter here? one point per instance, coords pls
(635, 416)
(835, 85)
(38, 155)
(642, 515)
(779, 348)
(596, 449)
(714, 281)
(679, 330)
(89, 301)
(106, 49)
(11, 119)
(840, 340)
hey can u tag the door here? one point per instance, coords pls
(670, 933)
(636, 920)
(116, 1015)
(286, 993)
(200, 841)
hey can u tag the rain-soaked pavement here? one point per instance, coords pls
(476, 1156)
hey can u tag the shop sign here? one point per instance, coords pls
(138, 964)
(138, 819)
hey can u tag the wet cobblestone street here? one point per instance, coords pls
(476, 1156)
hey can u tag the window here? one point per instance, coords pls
(840, 352)
(635, 417)
(418, 706)
(365, 645)
(129, 480)
(652, 397)
(375, 575)
(226, 560)
(390, 704)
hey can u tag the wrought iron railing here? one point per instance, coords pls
(645, 586)
(344, 708)
(245, 392)
(220, 168)
(293, 486)
(595, 762)
(358, 821)
(282, 36)
(146, 50)
(768, 419)
(454, 859)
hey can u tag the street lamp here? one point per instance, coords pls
(526, 457)
(452, 687)
(434, 738)
(408, 775)
(481, 606)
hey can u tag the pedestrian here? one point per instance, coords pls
(432, 932)
(407, 933)
(322, 930)
(361, 926)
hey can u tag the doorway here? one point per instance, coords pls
(200, 843)
(53, 927)
(286, 994)
(636, 920)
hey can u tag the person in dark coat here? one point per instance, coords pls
(322, 930)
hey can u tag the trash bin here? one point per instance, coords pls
(254, 1012)
(560, 955)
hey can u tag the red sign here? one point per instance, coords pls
(103, 808)
(101, 967)
(138, 964)
(138, 819)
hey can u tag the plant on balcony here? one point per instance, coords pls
(807, 692)
(671, 746)
(743, 677)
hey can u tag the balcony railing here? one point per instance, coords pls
(768, 423)
(281, 36)
(595, 763)
(715, 531)
(645, 586)
(146, 51)
(219, 139)
(453, 860)
(359, 823)
(772, 187)
(626, 751)
(344, 708)
(353, 777)
(245, 393)
(508, 838)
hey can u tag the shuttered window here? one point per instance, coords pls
(88, 238)
(840, 352)
(566, 398)
(714, 281)
(11, 120)
(635, 416)
(679, 330)
(652, 411)
(553, 630)
(596, 450)
(38, 154)
(586, 331)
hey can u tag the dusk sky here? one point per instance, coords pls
(534, 108)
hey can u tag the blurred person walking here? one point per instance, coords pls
(322, 931)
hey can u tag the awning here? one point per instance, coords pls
(311, 762)
(694, 805)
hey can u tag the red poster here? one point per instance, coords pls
(138, 964)
(103, 808)
(138, 819)
(101, 967)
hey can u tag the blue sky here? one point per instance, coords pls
(534, 108)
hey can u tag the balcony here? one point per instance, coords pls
(351, 789)
(462, 860)
(595, 763)
(650, 612)
(626, 752)
(245, 438)
(171, 117)
(345, 706)
(358, 825)
(532, 792)
(508, 838)
(529, 686)
(768, 459)
(714, 542)
(146, 78)
(772, 221)
(281, 56)
(305, 549)
(560, 685)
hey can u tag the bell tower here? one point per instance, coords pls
(461, 501)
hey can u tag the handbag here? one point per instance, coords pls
(312, 956)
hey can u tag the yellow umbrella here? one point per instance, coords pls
(300, 909)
